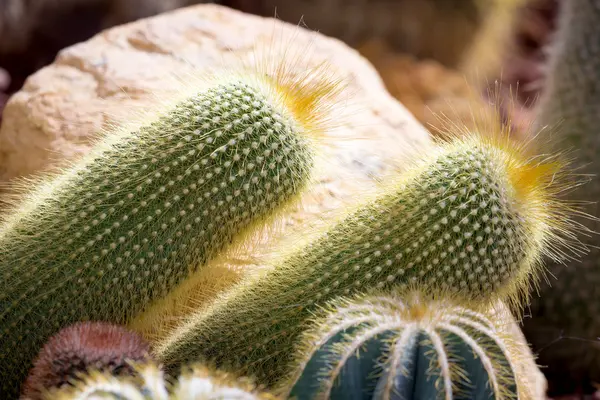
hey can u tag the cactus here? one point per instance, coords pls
(197, 382)
(565, 323)
(153, 201)
(474, 219)
(158, 321)
(80, 348)
(385, 346)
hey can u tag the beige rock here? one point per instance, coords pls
(56, 114)
(59, 107)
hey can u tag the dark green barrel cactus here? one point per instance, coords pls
(385, 346)
(120, 228)
(472, 219)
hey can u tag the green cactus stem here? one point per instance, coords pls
(386, 346)
(148, 206)
(473, 219)
(565, 314)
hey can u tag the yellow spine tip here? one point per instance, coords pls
(308, 98)
(528, 179)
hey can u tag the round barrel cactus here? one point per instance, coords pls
(385, 346)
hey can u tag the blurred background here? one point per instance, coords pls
(432, 54)
(435, 56)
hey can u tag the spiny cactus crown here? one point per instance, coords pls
(456, 223)
(386, 346)
(197, 382)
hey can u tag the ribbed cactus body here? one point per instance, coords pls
(198, 383)
(456, 223)
(121, 228)
(395, 347)
(565, 321)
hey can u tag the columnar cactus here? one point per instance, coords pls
(385, 346)
(197, 382)
(565, 323)
(474, 219)
(152, 202)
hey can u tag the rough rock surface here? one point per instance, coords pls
(56, 114)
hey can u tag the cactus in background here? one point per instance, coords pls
(565, 323)
(198, 383)
(407, 347)
(473, 218)
(82, 347)
(120, 228)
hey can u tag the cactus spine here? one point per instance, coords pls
(565, 325)
(151, 203)
(385, 346)
(473, 219)
(197, 382)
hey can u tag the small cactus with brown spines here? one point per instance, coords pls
(149, 383)
(80, 348)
